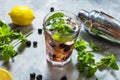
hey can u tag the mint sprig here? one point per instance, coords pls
(6, 37)
(86, 62)
(108, 61)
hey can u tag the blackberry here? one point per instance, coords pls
(52, 44)
(39, 31)
(35, 44)
(66, 49)
(28, 43)
(32, 75)
(62, 45)
(51, 9)
(39, 77)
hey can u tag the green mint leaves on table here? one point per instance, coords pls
(80, 45)
(6, 37)
(86, 62)
(108, 61)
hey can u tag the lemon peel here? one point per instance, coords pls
(21, 15)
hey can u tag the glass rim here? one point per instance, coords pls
(50, 32)
(59, 11)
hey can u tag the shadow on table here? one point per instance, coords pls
(57, 72)
(26, 31)
(7, 65)
(69, 70)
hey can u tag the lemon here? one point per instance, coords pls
(5, 75)
(21, 15)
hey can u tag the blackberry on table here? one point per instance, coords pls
(51, 9)
(35, 44)
(28, 43)
(39, 77)
(32, 75)
(39, 31)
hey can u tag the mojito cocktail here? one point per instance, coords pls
(61, 29)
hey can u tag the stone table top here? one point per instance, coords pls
(33, 59)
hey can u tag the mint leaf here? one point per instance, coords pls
(94, 47)
(108, 61)
(90, 71)
(8, 52)
(58, 14)
(81, 67)
(1, 23)
(113, 63)
(68, 29)
(80, 45)
(5, 56)
(57, 24)
(89, 58)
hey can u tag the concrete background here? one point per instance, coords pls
(33, 59)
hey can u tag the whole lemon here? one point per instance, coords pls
(21, 15)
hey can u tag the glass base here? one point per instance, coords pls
(58, 63)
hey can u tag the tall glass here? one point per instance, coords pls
(61, 29)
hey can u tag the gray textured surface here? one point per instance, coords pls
(33, 59)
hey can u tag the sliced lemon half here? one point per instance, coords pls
(5, 75)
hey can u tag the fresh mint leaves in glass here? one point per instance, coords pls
(61, 29)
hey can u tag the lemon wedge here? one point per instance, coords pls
(21, 15)
(5, 75)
